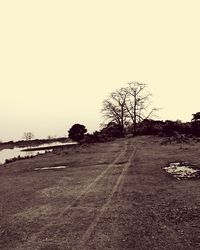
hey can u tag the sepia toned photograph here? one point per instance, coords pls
(99, 125)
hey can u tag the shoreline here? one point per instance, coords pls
(50, 147)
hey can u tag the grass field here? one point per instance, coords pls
(111, 195)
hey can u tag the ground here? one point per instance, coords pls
(111, 195)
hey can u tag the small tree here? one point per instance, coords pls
(28, 136)
(196, 117)
(77, 132)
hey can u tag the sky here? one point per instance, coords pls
(59, 59)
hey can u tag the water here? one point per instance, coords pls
(15, 152)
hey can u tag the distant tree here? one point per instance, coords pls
(28, 136)
(77, 132)
(138, 103)
(196, 117)
(114, 109)
(195, 124)
(51, 137)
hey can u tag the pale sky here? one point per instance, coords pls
(60, 59)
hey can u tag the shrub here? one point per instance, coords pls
(77, 132)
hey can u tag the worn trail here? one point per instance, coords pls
(92, 226)
(79, 199)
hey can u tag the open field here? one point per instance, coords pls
(111, 195)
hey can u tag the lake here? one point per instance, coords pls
(16, 151)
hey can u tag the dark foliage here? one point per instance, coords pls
(110, 132)
(173, 131)
(167, 128)
(196, 116)
(95, 137)
(170, 127)
(18, 158)
(150, 127)
(77, 132)
(113, 130)
(195, 128)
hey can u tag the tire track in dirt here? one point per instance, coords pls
(125, 173)
(91, 228)
(80, 197)
(93, 183)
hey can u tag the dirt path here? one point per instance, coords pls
(102, 210)
(80, 201)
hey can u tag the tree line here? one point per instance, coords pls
(128, 110)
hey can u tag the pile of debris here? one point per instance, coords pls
(182, 170)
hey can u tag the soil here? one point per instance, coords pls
(111, 195)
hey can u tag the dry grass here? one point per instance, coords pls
(148, 210)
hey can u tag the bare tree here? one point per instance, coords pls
(51, 137)
(128, 104)
(28, 136)
(114, 108)
(138, 103)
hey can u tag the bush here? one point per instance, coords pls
(77, 132)
(195, 128)
(112, 130)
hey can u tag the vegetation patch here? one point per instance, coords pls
(182, 170)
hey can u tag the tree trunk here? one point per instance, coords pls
(134, 115)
